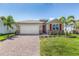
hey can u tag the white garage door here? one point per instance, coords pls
(29, 29)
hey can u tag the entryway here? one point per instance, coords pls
(44, 29)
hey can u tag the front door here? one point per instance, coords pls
(44, 28)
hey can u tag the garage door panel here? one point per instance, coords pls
(29, 29)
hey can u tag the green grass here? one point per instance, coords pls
(4, 37)
(59, 46)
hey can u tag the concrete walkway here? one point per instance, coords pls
(20, 46)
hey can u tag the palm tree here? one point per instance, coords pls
(66, 22)
(70, 20)
(62, 19)
(8, 21)
(77, 24)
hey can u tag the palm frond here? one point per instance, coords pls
(62, 19)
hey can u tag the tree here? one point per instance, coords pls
(67, 21)
(62, 19)
(77, 24)
(8, 21)
(3, 19)
(70, 21)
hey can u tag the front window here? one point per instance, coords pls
(56, 27)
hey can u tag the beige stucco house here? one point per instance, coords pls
(39, 26)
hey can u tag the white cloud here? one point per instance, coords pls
(51, 18)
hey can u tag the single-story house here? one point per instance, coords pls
(39, 27)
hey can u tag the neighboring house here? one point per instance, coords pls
(4, 30)
(70, 27)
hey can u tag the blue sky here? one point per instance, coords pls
(39, 10)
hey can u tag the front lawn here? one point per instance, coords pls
(59, 46)
(4, 37)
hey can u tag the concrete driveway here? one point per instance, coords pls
(20, 46)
